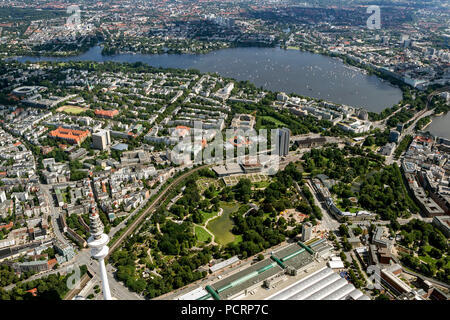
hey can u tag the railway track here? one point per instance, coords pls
(160, 199)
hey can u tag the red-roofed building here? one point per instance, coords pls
(106, 113)
(46, 149)
(7, 226)
(69, 135)
(33, 292)
(423, 140)
(51, 263)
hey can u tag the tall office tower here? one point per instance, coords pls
(101, 139)
(284, 135)
(2, 196)
(99, 250)
(306, 231)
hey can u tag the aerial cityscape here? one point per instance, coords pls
(225, 150)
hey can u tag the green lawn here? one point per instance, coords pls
(351, 209)
(261, 184)
(221, 226)
(429, 260)
(71, 109)
(354, 210)
(201, 234)
(278, 122)
(207, 215)
(237, 239)
(74, 110)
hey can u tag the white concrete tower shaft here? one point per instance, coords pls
(99, 250)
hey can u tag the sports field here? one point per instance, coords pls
(71, 109)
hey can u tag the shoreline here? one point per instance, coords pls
(444, 133)
(345, 63)
(425, 126)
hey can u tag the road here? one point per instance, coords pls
(442, 284)
(406, 270)
(381, 124)
(37, 276)
(118, 290)
(408, 131)
(328, 221)
(54, 213)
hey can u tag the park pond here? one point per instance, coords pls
(221, 226)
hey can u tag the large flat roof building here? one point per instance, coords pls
(243, 281)
(106, 113)
(228, 169)
(193, 295)
(323, 284)
(223, 264)
(294, 256)
(443, 224)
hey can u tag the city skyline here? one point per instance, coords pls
(224, 150)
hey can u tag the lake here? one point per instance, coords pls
(275, 69)
(440, 126)
(221, 226)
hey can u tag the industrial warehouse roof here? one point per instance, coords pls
(193, 295)
(228, 169)
(240, 287)
(224, 264)
(323, 284)
(287, 251)
(336, 264)
(299, 261)
(120, 147)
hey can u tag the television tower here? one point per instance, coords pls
(99, 249)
